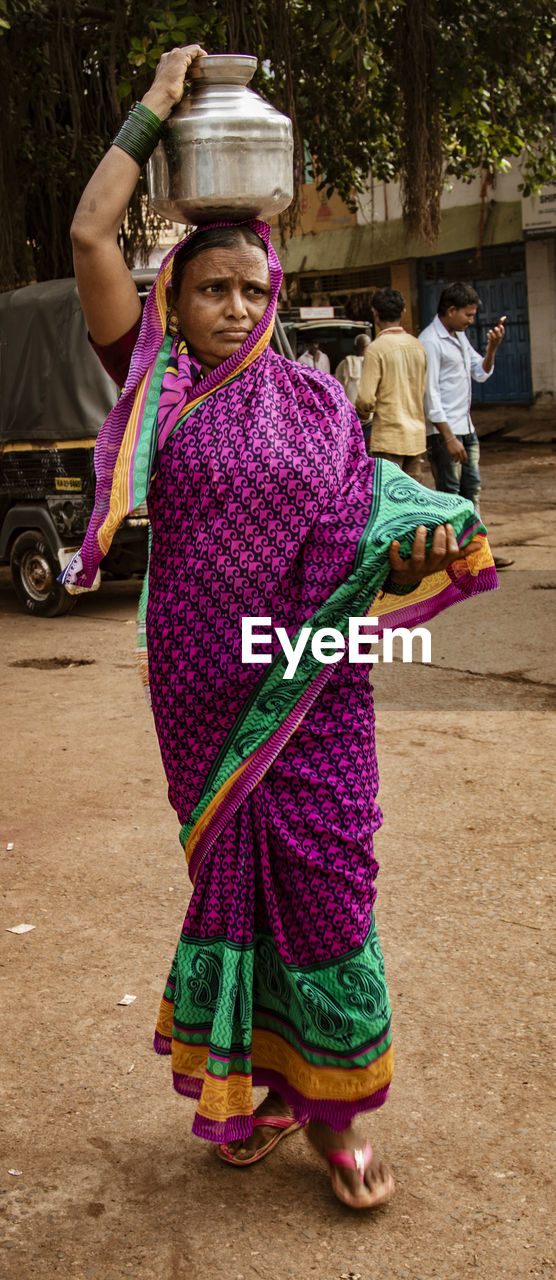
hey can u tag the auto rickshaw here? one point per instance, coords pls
(54, 396)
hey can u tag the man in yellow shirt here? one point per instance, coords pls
(392, 386)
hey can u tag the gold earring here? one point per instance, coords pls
(173, 324)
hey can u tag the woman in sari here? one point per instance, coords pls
(264, 506)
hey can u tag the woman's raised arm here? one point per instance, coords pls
(106, 289)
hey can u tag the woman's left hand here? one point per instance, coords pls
(443, 551)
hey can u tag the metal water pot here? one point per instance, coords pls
(225, 152)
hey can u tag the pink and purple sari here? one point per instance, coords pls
(263, 503)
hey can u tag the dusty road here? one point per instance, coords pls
(109, 1182)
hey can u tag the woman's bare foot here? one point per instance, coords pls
(374, 1188)
(273, 1105)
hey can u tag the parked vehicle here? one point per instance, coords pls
(334, 333)
(54, 396)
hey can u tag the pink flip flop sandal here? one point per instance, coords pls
(283, 1125)
(359, 1160)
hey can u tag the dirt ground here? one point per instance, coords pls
(100, 1176)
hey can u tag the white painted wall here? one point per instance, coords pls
(387, 205)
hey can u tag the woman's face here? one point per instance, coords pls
(223, 295)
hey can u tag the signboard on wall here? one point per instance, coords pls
(538, 213)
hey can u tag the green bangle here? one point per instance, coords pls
(139, 134)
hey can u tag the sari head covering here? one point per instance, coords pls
(148, 409)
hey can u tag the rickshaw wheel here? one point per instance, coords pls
(34, 569)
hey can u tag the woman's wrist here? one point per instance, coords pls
(157, 101)
(391, 587)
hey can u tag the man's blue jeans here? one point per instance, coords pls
(456, 477)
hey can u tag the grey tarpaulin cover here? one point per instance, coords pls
(52, 385)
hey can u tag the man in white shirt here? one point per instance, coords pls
(349, 369)
(315, 358)
(452, 362)
(452, 444)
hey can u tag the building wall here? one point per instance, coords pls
(540, 257)
(360, 247)
(381, 201)
(401, 278)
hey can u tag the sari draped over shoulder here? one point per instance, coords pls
(264, 505)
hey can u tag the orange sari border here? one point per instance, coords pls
(232, 1095)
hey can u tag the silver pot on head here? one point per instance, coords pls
(226, 154)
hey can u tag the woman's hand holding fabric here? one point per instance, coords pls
(167, 87)
(442, 552)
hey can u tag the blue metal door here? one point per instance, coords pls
(505, 295)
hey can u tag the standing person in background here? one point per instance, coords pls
(452, 443)
(315, 358)
(349, 369)
(392, 386)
